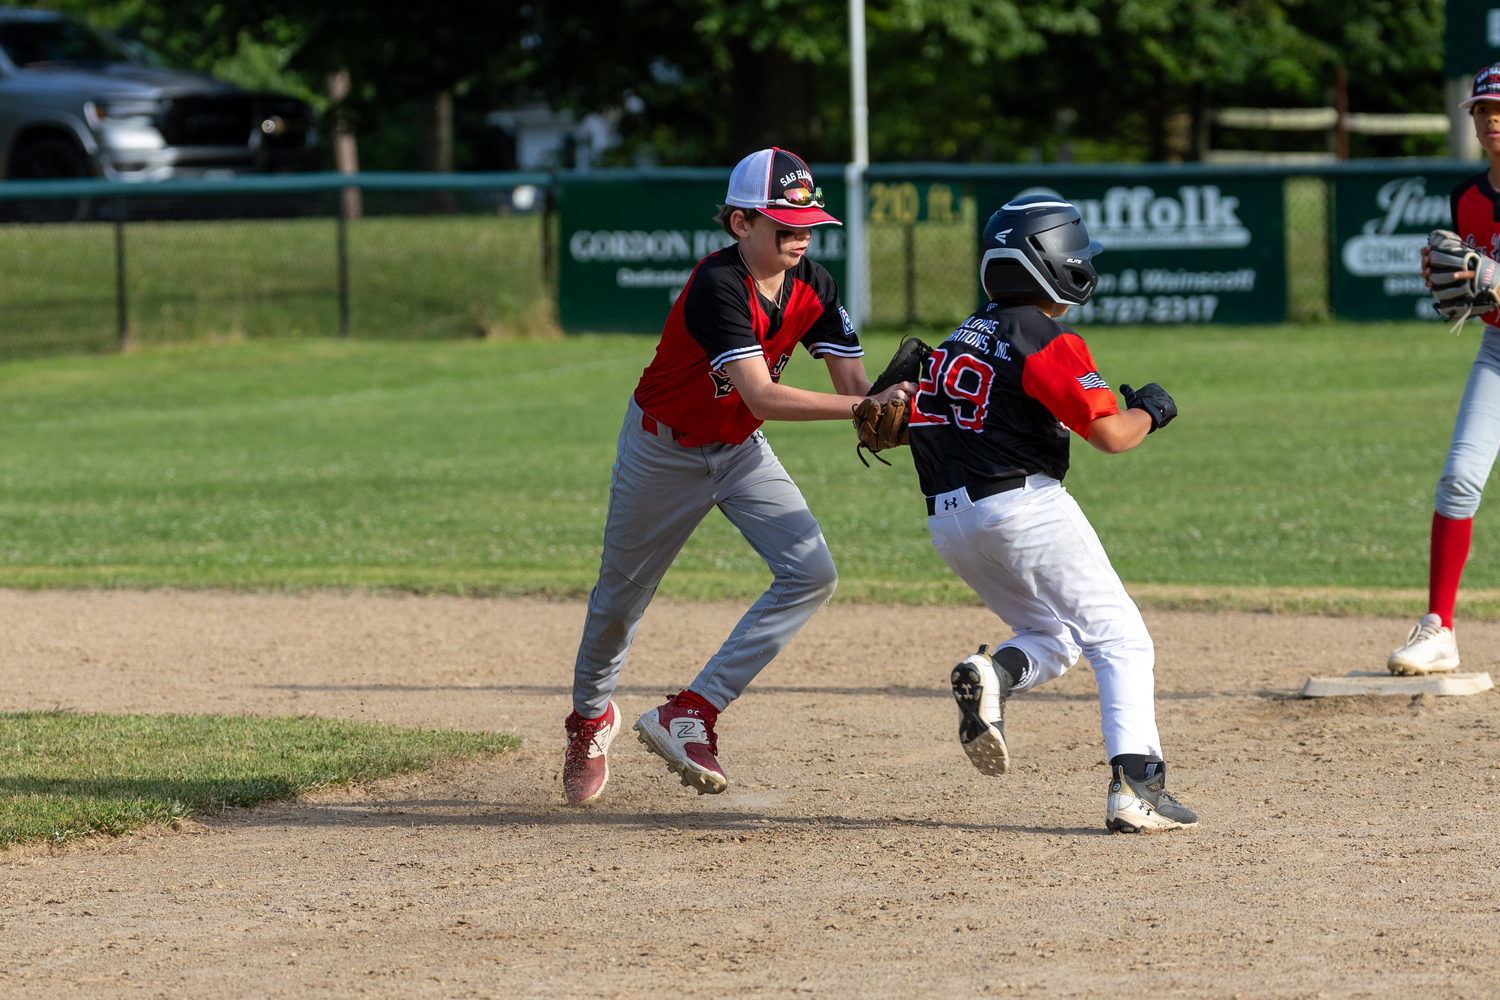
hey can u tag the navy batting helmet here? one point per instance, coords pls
(1036, 247)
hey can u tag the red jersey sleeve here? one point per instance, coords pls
(1063, 377)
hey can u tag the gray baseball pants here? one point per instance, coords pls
(659, 492)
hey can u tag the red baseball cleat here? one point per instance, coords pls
(585, 767)
(681, 732)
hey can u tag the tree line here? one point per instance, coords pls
(703, 81)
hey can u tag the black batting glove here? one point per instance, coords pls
(1154, 400)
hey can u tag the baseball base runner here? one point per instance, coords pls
(989, 432)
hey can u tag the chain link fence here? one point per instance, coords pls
(923, 239)
(396, 257)
(1308, 236)
(91, 266)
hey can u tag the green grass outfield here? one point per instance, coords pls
(1305, 457)
(410, 277)
(69, 775)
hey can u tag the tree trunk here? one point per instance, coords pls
(439, 132)
(1202, 122)
(773, 102)
(345, 149)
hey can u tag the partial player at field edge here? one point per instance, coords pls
(1465, 283)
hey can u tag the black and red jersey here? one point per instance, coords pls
(1476, 218)
(720, 317)
(998, 397)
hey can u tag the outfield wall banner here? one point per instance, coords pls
(1471, 36)
(1208, 249)
(1380, 225)
(628, 246)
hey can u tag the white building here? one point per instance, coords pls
(546, 139)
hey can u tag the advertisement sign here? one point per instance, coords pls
(906, 203)
(627, 247)
(1381, 222)
(1211, 249)
(1471, 37)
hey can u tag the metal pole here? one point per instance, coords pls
(343, 253)
(1462, 143)
(857, 280)
(122, 304)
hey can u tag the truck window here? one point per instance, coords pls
(57, 43)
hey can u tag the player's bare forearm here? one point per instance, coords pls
(1119, 431)
(769, 400)
(848, 375)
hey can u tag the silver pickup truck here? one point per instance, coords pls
(76, 101)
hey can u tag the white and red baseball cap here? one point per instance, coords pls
(778, 184)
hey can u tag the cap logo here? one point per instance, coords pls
(1486, 83)
(791, 179)
(1000, 236)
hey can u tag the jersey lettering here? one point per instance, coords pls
(968, 384)
(779, 367)
(1007, 411)
(928, 387)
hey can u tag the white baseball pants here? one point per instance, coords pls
(1035, 561)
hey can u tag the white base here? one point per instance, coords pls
(1380, 682)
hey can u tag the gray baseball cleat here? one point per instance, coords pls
(1145, 806)
(980, 691)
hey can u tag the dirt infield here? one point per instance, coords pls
(1349, 848)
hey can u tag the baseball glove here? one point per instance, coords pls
(905, 366)
(1154, 400)
(884, 426)
(1460, 298)
(880, 426)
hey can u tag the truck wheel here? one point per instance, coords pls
(48, 157)
(51, 157)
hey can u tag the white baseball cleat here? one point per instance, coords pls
(1144, 806)
(980, 690)
(1429, 649)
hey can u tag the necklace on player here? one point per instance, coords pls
(773, 299)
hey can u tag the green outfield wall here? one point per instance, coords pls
(92, 265)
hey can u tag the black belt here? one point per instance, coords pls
(978, 491)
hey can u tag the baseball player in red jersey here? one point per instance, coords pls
(1431, 646)
(691, 442)
(989, 432)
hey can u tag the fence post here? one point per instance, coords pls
(547, 209)
(343, 254)
(909, 240)
(122, 305)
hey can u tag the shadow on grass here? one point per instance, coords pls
(61, 808)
